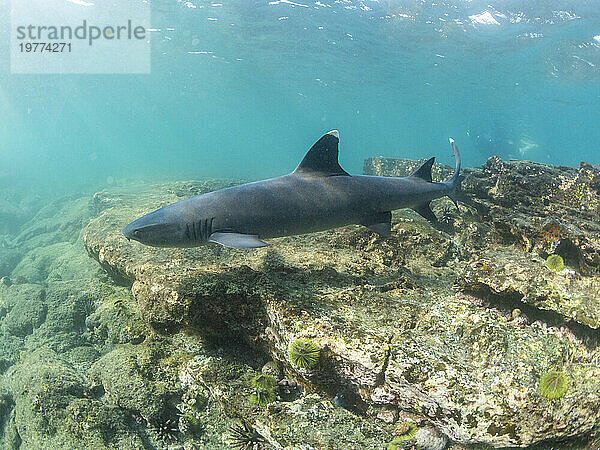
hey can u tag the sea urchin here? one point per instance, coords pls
(555, 263)
(263, 382)
(553, 384)
(244, 437)
(304, 353)
(262, 397)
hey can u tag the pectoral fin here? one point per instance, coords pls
(237, 240)
(380, 223)
(425, 211)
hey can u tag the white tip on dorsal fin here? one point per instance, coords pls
(322, 158)
(451, 140)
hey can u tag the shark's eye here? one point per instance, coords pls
(136, 232)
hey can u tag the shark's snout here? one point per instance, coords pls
(129, 231)
(157, 229)
(143, 229)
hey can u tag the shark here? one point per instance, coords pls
(318, 195)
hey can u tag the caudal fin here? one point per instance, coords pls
(454, 182)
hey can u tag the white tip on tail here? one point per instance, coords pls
(335, 133)
(451, 140)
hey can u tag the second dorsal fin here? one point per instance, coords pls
(424, 172)
(322, 158)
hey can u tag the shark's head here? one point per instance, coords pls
(160, 228)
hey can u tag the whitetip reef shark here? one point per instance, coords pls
(318, 195)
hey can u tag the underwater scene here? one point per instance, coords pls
(222, 225)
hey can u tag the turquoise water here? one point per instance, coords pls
(243, 88)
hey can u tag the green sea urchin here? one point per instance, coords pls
(553, 384)
(304, 353)
(262, 397)
(405, 431)
(555, 263)
(264, 382)
(264, 389)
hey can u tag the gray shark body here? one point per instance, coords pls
(318, 195)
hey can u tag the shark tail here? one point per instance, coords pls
(454, 182)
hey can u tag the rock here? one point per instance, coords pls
(82, 358)
(22, 310)
(428, 438)
(60, 220)
(17, 204)
(45, 397)
(392, 328)
(396, 167)
(57, 262)
(388, 415)
(541, 209)
(68, 304)
(35, 265)
(271, 368)
(310, 421)
(27, 314)
(9, 258)
(510, 276)
(450, 328)
(11, 295)
(129, 377)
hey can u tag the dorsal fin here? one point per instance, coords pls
(424, 172)
(322, 158)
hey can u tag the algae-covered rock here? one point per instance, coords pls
(27, 314)
(130, 379)
(59, 220)
(392, 328)
(396, 167)
(540, 208)
(35, 265)
(17, 204)
(22, 310)
(56, 262)
(68, 304)
(9, 258)
(50, 408)
(520, 277)
(453, 328)
(308, 421)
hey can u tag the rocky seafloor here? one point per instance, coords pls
(437, 337)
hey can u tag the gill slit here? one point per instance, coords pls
(199, 230)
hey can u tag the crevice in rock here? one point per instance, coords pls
(7, 404)
(238, 349)
(380, 379)
(116, 275)
(570, 253)
(509, 300)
